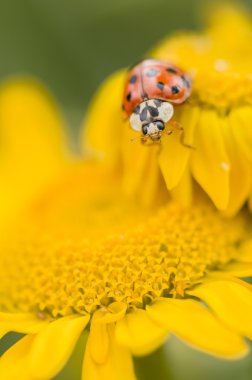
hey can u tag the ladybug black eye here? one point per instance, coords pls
(160, 125)
(145, 129)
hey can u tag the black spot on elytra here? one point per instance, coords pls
(158, 102)
(133, 79)
(186, 81)
(171, 70)
(175, 90)
(143, 115)
(160, 85)
(128, 97)
(153, 111)
(137, 109)
(151, 72)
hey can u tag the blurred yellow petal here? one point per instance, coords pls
(246, 251)
(14, 362)
(230, 301)
(194, 324)
(98, 330)
(239, 269)
(99, 352)
(139, 333)
(240, 170)
(21, 323)
(32, 148)
(174, 156)
(53, 346)
(141, 173)
(210, 163)
(250, 201)
(183, 192)
(114, 312)
(118, 363)
(104, 123)
(225, 276)
(226, 17)
(240, 121)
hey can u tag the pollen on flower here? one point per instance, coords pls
(161, 256)
(221, 65)
(225, 166)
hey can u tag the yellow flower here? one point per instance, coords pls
(76, 254)
(217, 119)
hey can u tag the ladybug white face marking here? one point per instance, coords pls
(166, 111)
(135, 122)
(150, 117)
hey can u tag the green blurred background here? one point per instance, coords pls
(72, 45)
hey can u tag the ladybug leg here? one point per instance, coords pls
(125, 117)
(182, 140)
(179, 127)
(169, 132)
(143, 139)
(188, 101)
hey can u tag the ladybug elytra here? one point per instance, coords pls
(151, 90)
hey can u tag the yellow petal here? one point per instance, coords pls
(210, 163)
(183, 192)
(32, 149)
(239, 269)
(230, 301)
(14, 362)
(240, 170)
(99, 352)
(104, 123)
(174, 156)
(220, 276)
(21, 323)
(114, 312)
(240, 121)
(98, 330)
(53, 346)
(225, 17)
(197, 326)
(153, 189)
(250, 201)
(245, 251)
(141, 173)
(118, 364)
(139, 333)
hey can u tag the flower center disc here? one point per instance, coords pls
(78, 251)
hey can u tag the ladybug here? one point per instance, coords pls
(151, 89)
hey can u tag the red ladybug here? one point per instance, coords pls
(151, 87)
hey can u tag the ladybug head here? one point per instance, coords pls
(150, 117)
(153, 129)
